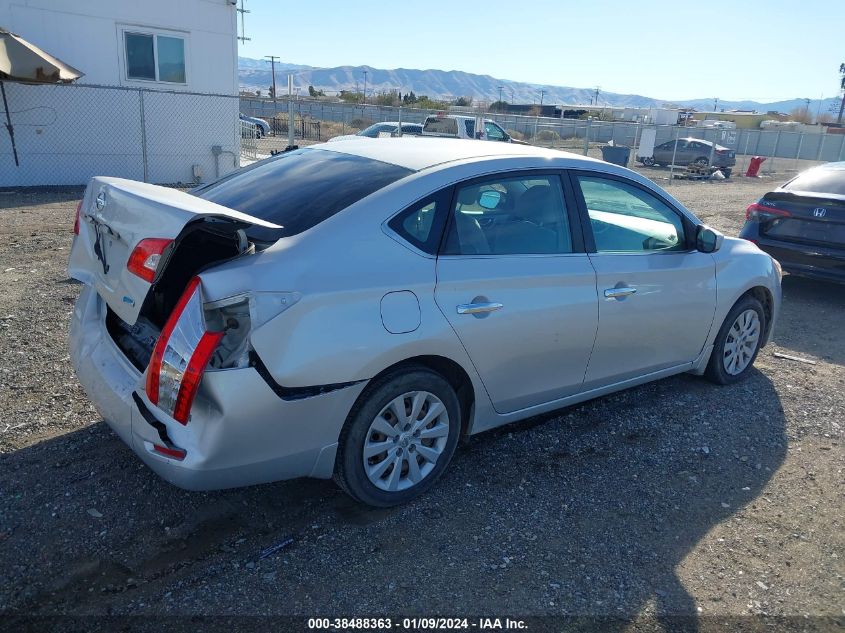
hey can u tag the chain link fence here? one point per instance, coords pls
(65, 134)
(786, 151)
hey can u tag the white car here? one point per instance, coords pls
(386, 128)
(351, 309)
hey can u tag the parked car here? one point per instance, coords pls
(467, 127)
(802, 223)
(386, 127)
(262, 128)
(351, 309)
(692, 151)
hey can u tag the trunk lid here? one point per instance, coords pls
(115, 215)
(812, 219)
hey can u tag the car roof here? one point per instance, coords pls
(420, 152)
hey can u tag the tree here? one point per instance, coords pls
(315, 93)
(464, 102)
(498, 106)
(350, 96)
(802, 115)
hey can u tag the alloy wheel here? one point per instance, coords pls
(405, 440)
(741, 342)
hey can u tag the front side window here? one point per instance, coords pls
(628, 219)
(494, 132)
(509, 216)
(154, 57)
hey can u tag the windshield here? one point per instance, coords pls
(819, 181)
(300, 189)
(373, 130)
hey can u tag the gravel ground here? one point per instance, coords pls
(677, 498)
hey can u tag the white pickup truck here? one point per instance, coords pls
(460, 126)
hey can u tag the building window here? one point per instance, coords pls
(154, 57)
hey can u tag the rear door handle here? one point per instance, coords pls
(618, 293)
(479, 308)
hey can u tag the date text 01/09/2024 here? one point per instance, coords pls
(416, 623)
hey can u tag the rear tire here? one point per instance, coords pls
(701, 161)
(648, 161)
(737, 343)
(389, 452)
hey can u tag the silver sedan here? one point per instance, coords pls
(351, 310)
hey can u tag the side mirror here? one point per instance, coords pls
(708, 240)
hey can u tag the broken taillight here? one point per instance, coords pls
(181, 355)
(146, 256)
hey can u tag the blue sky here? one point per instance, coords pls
(752, 49)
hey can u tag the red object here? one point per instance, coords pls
(76, 222)
(145, 257)
(193, 375)
(754, 166)
(195, 367)
(176, 453)
(161, 344)
(760, 213)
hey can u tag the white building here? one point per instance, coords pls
(164, 59)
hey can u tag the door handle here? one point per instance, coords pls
(479, 308)
(619, 293)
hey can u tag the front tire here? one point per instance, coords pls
(701, 161)
(737, 343)
(648, 161)
(398, 438)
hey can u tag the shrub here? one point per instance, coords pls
(547, 136)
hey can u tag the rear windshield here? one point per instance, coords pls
(819, 181)
(300, 189)
(436, 125)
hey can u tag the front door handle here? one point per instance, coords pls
(619, 293)
(479, 308)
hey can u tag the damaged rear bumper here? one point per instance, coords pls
(240, 432)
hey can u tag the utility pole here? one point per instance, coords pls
(542, 94)
(500, 97)
(597, 95)
(273, 59)
(242, 37)
(365, 86)
(716, 104)
(841, 87)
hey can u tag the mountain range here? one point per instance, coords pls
(255, 74)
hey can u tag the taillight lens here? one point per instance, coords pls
(76, 221)
(145, 257)
(759, 213)
(181, 355)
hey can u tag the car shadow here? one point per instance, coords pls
(810, 318)
(588, 512)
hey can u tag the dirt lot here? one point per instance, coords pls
(677, 498)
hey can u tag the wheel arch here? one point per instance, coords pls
(452, 372)
(764, 296)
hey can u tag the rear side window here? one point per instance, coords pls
(436, 125)
(422, 223)
(300, 189)
(819, 181)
